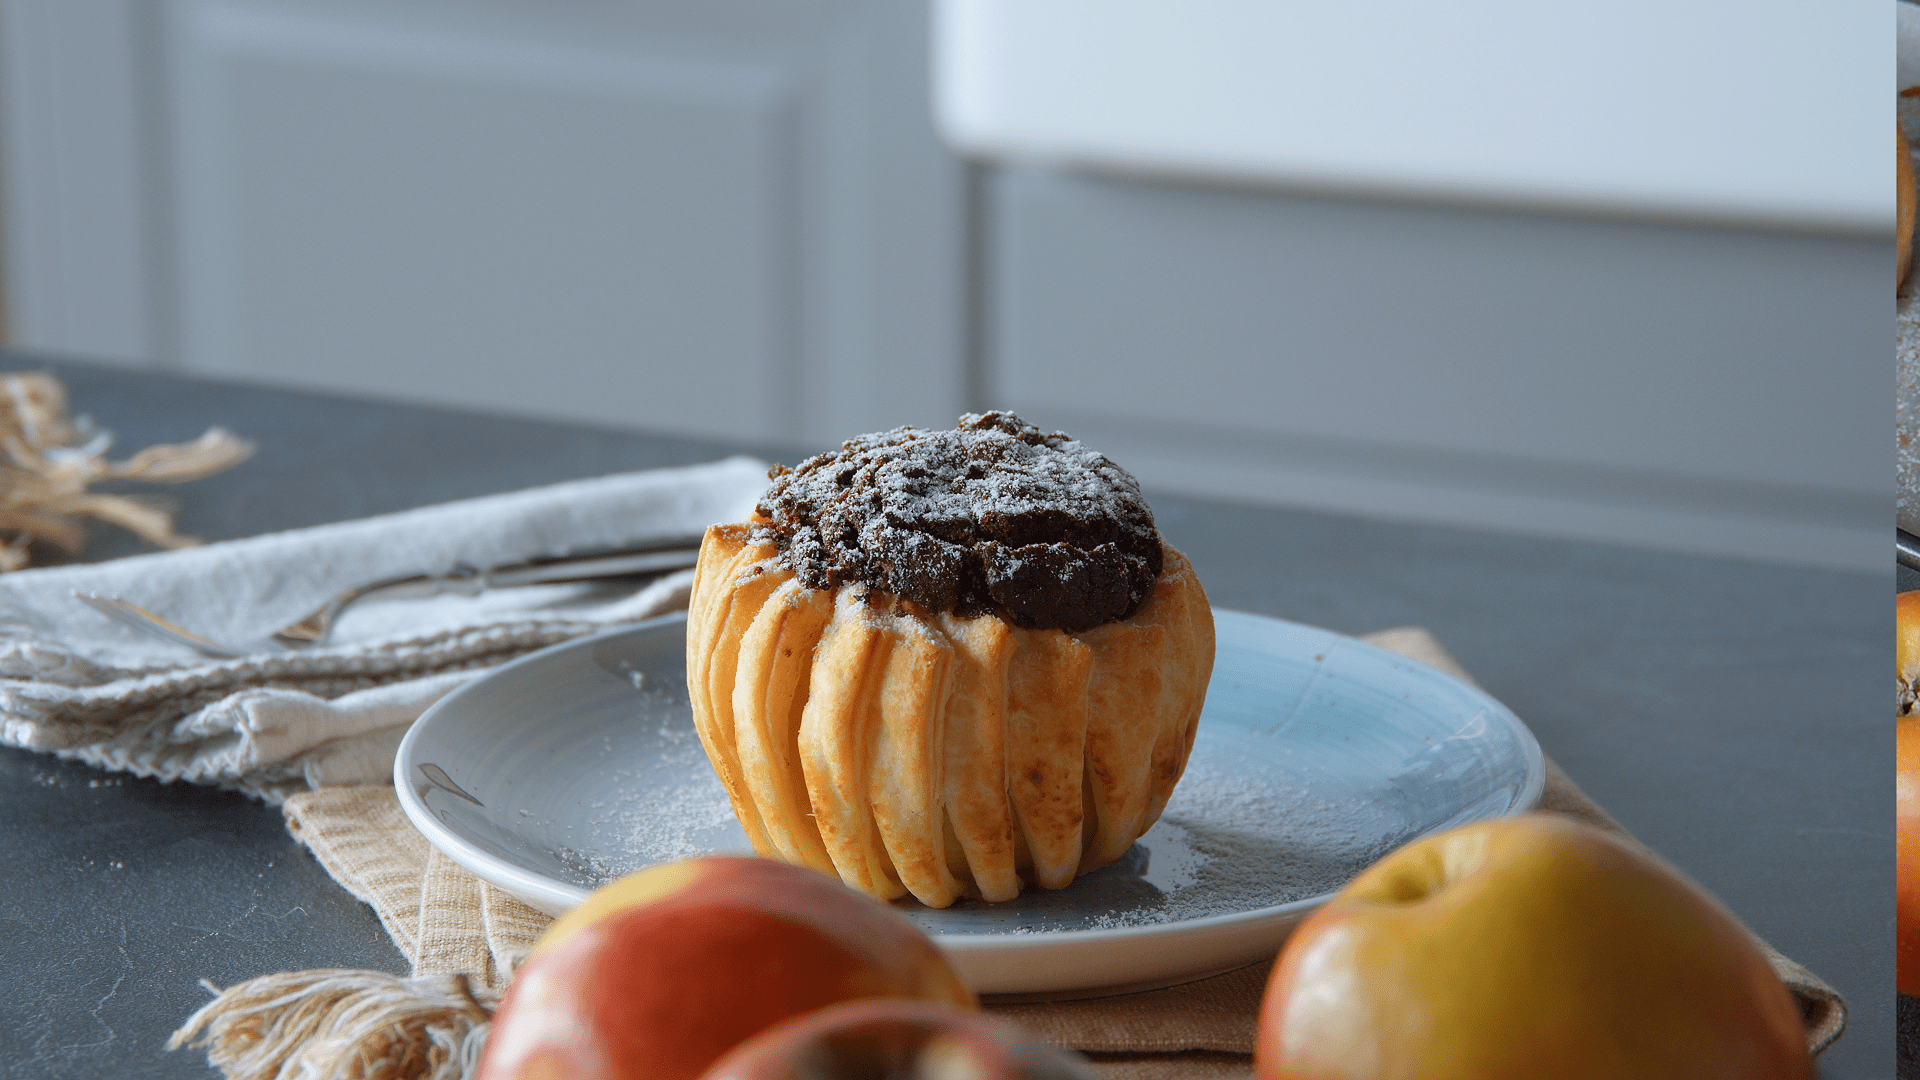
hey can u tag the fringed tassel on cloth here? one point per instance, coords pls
(343, 1025)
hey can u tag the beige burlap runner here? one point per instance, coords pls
(449, 923)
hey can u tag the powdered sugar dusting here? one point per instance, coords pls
(993, 516)
(669, 805)
(1245, 829)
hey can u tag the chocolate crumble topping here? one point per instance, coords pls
(993, 516)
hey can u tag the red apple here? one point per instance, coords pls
(661, 972)
(872, 1040)
(1906, 854)
(1524, 948)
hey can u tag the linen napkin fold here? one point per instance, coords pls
(463, 938)
(77, 684)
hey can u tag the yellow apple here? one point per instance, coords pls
(1523, 949)
(897, 1039)
(659, 973)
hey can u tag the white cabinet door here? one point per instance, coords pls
(1765, 113)
(726, 219)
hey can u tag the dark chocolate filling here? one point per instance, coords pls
(993, 516)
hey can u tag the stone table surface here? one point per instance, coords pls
(1730, 713)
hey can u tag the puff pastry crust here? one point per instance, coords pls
(909, 751)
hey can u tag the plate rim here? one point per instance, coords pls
(492, 868)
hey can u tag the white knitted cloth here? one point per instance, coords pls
(76, 684)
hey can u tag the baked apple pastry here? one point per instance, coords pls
(942, 660)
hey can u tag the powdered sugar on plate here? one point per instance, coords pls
(667, 802)
(1244, 830)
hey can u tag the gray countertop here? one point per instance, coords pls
(1732, 714)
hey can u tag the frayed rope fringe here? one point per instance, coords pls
(335, 1024)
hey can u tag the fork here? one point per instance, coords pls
(316, 627)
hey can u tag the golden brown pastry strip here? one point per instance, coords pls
(770, 688)
(904, 785)
(1046, 734)
(979, 812)
(716, 605)
(836, 732)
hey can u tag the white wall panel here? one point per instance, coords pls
(669, 217)
(77, 185)
(486, 223)
(1705, 389)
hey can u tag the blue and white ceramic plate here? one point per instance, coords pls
(1316, 755)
